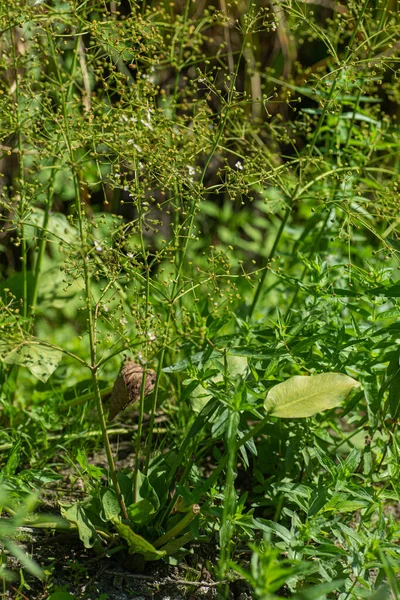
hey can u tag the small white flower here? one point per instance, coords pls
(239, 165)
(130, 255)
(192, 170)
(123, 321)
(131, 141)
(151, 336)
(105, 308)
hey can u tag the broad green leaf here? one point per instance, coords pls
(58, 226)
(382, 593)
(140, 512)
(299, 396)
(137, 544)
(40, 359)
(110, 504)
(392, 313)
(87, 532)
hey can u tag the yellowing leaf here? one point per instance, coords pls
(299, 397)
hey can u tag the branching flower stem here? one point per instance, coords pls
(91, 322)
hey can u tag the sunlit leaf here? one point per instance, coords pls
(137, 544)
(40, 359)
(299, 396)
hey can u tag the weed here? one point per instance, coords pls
(204, 200)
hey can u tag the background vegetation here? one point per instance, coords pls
(211, 191)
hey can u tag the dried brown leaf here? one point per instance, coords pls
(128, 385)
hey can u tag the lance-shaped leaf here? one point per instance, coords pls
(299, 396)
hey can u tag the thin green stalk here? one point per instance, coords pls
(42, 247)
(191, 513)
(314, 246)
(83, 399)
(146, 316)
(228, 512)
(87, 281)
(21, 176)
(107, 445)
(147, 266)
(318, 237)
(213, 149)
(155, 397)
(270, 257)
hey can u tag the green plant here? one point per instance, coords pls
(213, 193)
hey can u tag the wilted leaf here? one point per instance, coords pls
(128, 385)
(299, 397)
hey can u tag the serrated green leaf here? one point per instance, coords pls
(300, 397)
(392, 313)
